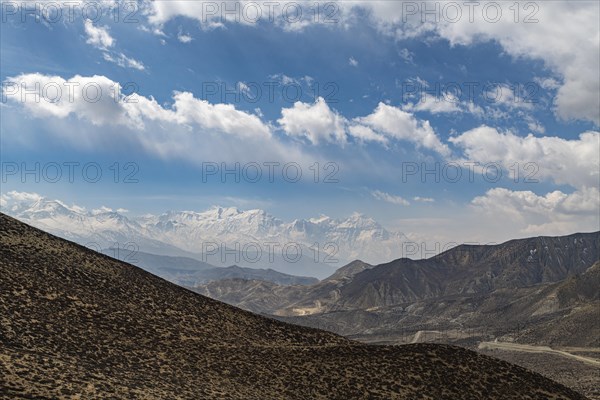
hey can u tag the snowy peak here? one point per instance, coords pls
(359, 221)
(356, 236)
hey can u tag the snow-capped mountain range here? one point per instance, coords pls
(214, 235)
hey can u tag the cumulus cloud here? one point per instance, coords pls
(574, 162)
(315, 122)
(390, 198)
(93, 98)
(99, 100)
(221, 117)
(365, 134)
(398, 124)
(189, 128)
(555, 213)
(534, 125)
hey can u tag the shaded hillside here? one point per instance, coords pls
(349, 270)
(554, 314)
(252, 295)
(270, 298)
(77, 323)
(470, 272)
(473, 270)
(538, 291)
(268, 275)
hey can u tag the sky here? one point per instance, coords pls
(452, 121)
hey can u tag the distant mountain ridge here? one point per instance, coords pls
(185, 271)
(261, 240)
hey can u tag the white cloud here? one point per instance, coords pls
(155, 31)
(444, 102)
(473, 109)
(178, 129)
(390, 198)
(511, 97)
(184, 38)
(398, 124)
(103, 104)
(287, 15)
(352, 61)
(220, 117)
(574, 162)
(284, 79)
(534, 125)
(244, 88)
(424, 199)
(366, 134)
(15, 201)
(101, 210)
(547, 83)
(555, 213)
(315, 122)
(98, 36)
(123, 61)
(54, 96)
(189, 129)
(434, 105)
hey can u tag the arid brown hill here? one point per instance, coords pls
(78, 324)
(540, 291)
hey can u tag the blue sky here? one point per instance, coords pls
(365, 124)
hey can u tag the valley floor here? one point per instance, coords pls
(580, 376)
(574, 367)
(541, 349)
